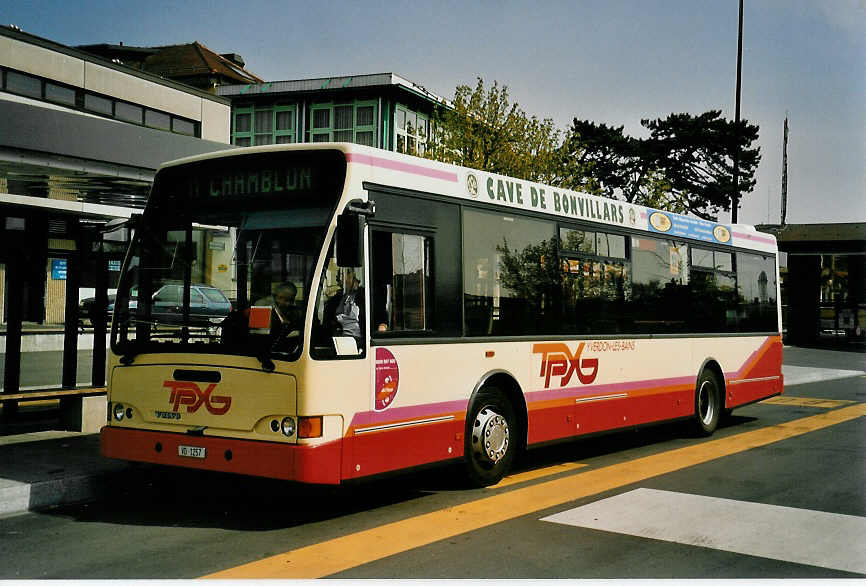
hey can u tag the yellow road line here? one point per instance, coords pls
(806, 402)
(539, 473)
(348, 551)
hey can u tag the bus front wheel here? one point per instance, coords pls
(708, 404)
(491, 436)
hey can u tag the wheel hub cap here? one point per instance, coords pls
(490, 435)
(705, 403)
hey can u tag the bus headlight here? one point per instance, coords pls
(288, 426)
(118, 412)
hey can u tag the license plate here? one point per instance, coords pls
(191, 451)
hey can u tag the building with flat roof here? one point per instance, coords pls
(382, 110)
(80, 140)
(823, 270)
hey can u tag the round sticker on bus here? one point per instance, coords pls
(472, 185)
(660, 221)
(721, 234)
(387, 378)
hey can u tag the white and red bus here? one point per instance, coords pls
(389, 312)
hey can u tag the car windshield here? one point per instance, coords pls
(221, 276)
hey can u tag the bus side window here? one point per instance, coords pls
(339, 323)
(401, 282)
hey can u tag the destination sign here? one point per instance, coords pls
(263, 182)
(272, 179)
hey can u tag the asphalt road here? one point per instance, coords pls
(778, 492)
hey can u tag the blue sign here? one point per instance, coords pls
(58, 269)
(687, 227)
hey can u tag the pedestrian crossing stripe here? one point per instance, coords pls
(815, 538)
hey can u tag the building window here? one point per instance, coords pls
(321, 126)
(128, 112)
(157, 120)
(98, 104)
(412, 131)
(59, 94)
(365, 124)
(263, 122)
(25, 85)
(181, 126)
(284, 124)
(263, 125)
(243, 125)
(354, 122)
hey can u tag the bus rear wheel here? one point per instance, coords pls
(491, 437)
(708, 404)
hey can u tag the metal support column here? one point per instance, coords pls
(70, 331)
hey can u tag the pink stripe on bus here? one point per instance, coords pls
(752, 237)
(398, 414)
(403, 167)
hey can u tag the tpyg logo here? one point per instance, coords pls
(193, 397)
(558, 360)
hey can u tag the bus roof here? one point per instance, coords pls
(377, 166)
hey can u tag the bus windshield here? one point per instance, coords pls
(224, 256)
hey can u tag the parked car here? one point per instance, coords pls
(87, 309)
(207, 304)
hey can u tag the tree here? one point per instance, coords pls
(696, 154)
(600, 159)
(686, 164)
(483, 130)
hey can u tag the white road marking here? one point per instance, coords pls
(798, 375)
(826, 540)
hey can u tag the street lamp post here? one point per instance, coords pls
(735, 196)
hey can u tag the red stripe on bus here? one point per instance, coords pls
(384, 163)
(765, 361)
(402, 447)
(318, 464)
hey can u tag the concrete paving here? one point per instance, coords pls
(43, 469)
(51, 468)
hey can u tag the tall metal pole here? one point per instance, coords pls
(785, 172)
(735, 197)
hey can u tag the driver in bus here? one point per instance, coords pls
(285, 317)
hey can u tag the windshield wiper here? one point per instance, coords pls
(265, 358)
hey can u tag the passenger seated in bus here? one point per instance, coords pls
(349, 311)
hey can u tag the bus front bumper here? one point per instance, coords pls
(314, 464)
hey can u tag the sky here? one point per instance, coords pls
(611, 61)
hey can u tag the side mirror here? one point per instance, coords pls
(350, 232)
(350, 240)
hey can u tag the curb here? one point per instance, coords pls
(20, 497)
